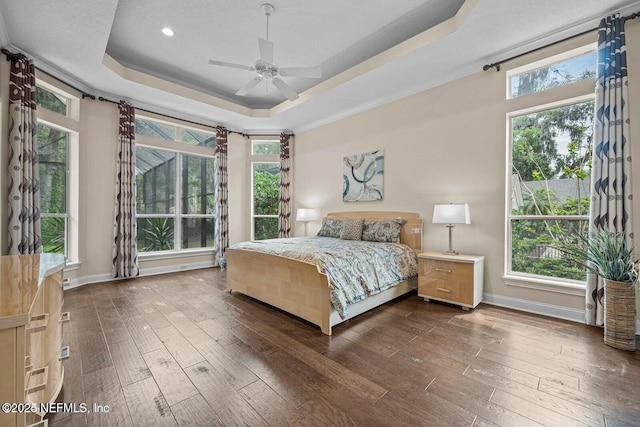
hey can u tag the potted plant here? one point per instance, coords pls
(607, 255)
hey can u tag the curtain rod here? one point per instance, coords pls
(11, 56)
(101, 98)
(496, 65)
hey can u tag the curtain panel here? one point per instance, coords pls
(24, 183)
(611, 195)
(221, 196)
(125, 236)
(284, 208)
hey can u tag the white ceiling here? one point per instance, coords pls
(370, 51)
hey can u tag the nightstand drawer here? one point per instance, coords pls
(446, 270)
(442, 289)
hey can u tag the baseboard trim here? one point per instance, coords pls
(544, 309)
(97, 278)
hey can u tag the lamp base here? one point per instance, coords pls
(451, 253)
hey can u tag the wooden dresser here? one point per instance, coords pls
(31, 320)
(457, 279)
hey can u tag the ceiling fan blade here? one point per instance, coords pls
(285, 89)
(231, 64)
(246, 88)
(311, 72)
(266, 50)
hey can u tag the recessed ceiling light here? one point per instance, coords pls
(167, 32)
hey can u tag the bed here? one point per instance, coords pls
(300, 288)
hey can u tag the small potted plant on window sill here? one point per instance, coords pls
(607, 255)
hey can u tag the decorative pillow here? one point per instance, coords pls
(382, 231)
(331, 228)
(352, 229)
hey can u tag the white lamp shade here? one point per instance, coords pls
(452, 213)
(306, 215)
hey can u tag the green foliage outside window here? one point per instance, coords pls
(550, 150)
(266, 195)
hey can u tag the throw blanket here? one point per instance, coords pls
(356, 269)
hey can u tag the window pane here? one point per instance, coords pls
(534, 247)
(155, 181)
(558, 74)
(51, 101)
(53, 234)
(52, 155)
(266, 188)
(265, 228)
(551, 161)
(155, 129)
(197, 232)
(201, 139)
(265, 148)
(198, 186)
(155, 234)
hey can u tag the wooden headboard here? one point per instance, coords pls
(410, 233)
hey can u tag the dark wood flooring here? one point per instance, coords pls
(178, 350)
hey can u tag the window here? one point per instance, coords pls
(172, 132)
(52, 156)
(265, 184)
(175, 208)
(550, 177)
(557, 73)
(58, 168)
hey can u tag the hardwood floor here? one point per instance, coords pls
(178, 350)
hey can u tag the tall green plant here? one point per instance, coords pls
(605, 254)
(159, 233)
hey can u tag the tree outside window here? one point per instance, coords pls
(551, 167)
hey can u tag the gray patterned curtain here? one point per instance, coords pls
(125, 249)
(24, 183)
(611, 201)
(221, 196)
(284, 215)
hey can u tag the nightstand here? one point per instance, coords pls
(457, 279)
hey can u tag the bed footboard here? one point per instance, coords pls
(294, 286)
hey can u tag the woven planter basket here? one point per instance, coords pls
(620, 315)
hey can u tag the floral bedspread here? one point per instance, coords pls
(356, 269)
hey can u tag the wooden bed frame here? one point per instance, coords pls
(298, 288)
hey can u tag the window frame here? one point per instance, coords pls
(255, 159)
(180, 149)
(546, 62)
(527, 280)
(68, 123)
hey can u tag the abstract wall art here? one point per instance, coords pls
(362, 177)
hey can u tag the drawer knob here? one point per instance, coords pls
(444, 270)
(38, 323)
(66, 316)
(443, 290)
(64, 353)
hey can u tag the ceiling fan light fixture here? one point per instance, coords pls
(266, 68)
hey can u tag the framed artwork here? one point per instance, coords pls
(362, 177)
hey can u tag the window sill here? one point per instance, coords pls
(548, 285)
(72, 265)
(172, 254)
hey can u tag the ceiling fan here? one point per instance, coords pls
(267, 69)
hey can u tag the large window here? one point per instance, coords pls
(265, 184)
(57, 139)
(550, 177)
(175, 207)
